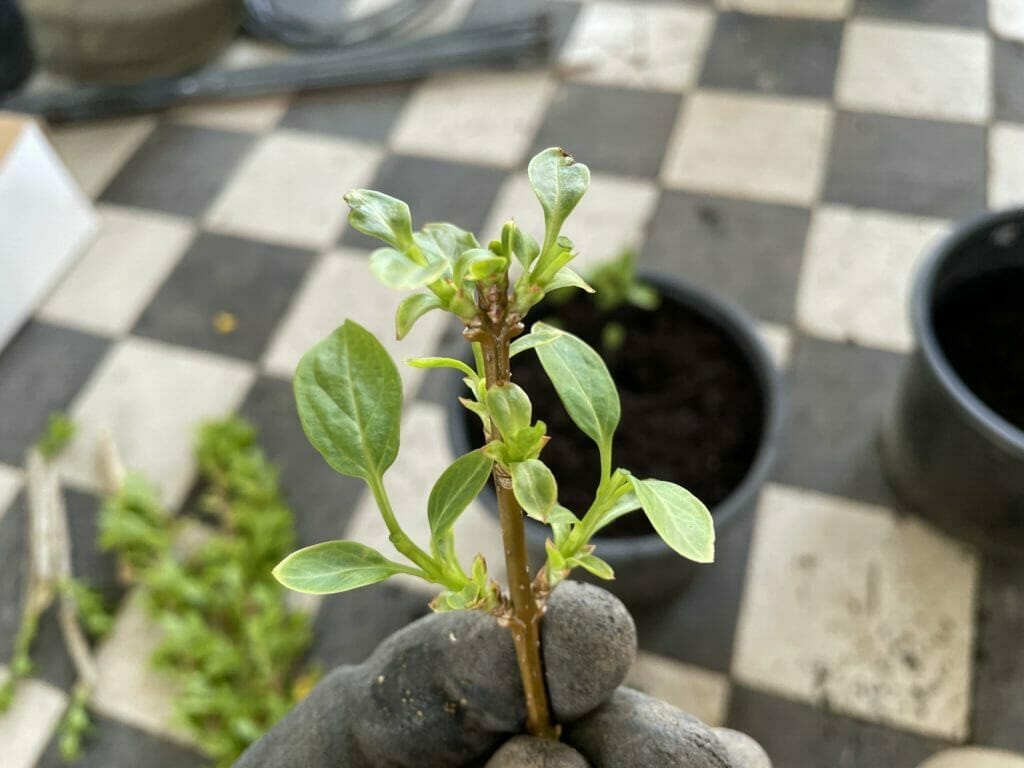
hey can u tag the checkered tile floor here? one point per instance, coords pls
(797, 156)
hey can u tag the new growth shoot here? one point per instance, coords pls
(349, 398)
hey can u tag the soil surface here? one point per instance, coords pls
(980, 327)
(692, 411)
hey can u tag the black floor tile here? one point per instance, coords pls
(966, 13)
(365, 113)
(178, 169)
(796, 57)
(436, 190)
(322, 500)
(914, 166)
(698, 626)
(1008, 63)
(746, 251)
(350, 626)
(112, 744)
(999, 668)
(612, 130)
(253, 282)
(798, 736)
(41, 371)
(836, 395)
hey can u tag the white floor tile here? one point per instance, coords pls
(638, 46)
(26, 728)
(95, 152)
(290, 188)
(128, 686)
(613, 215)
(702, 693)
(1006, 165)
(1007, 18)
(906, 69)
(974, 757)
(152, 397)
(848, 604)
(114, 280)
(488, 118)
(250, 116)
(341, 287)
(858, 266)
(11, 479)
(759, 147)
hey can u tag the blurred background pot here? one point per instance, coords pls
(697, 366)
(953, 440)
(15, 56)
(128, 40)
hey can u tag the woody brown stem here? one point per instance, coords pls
(494, 332)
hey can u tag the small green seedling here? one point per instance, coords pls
(349, 398)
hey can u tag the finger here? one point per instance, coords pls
(633, 729)
(528, 752)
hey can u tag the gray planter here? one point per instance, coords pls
(129, 40)
(647, 571)
(948, 455)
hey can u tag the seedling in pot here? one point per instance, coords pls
(349, 397)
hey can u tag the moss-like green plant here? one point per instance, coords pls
(349, 398)
(229, 640)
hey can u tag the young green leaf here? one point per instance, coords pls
(335, 566)
(583, 384)
(510, 408)
(541, 333)
(524, 247)
(452, 241)
(535, 488)
(561, 521)
(625, 504)
(567, 278)
(556, 568)
(594, 565)
(679, 517)
(455, 490)
(411, 309)
(477, 264)
(398, 271)
(559, 182)
(349, 398)
(382, 216)
(442, 362)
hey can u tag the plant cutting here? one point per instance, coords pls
(349, 398)
(692, 372)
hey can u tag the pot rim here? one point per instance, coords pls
(740, 328)
(997, 429)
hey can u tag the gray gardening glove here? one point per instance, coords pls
(444, 692)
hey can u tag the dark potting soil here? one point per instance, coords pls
(980, 327)
(691, 407)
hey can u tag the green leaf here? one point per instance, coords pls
(583, 384)
(679, 517)
(382, 216)
(452, 241)
(412, 309)
(58, 433)
(349, 398)
(525, 248)
(510, 408)
(398, 271)
(442, 362)
(594, 565)
(535, 488)
(477, 264)
(455, 489)
(567, 278)
(559, 182)
(541, 333)
(556, 567)
(561, 521)
(625, 504)
(335, 566)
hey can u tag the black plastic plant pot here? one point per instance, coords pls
(953, 440)
(699, 392)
